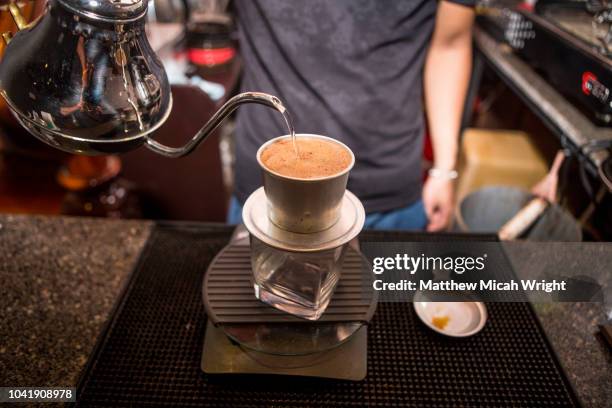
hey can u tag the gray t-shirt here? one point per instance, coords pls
(348, 69)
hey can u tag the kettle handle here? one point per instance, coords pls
(223, 112)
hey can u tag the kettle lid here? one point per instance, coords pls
(110, 11)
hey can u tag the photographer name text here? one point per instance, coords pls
(490, 285)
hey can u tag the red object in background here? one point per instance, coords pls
(588, 79)
(428, 154)
(527, 6)
(210, 56)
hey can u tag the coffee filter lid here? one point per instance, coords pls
(255, 218)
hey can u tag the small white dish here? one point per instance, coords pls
(454, 319)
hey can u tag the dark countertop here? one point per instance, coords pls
(60, 278)
(54, 304)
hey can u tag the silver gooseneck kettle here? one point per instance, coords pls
(83, 78)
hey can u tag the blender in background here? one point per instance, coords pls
(209, 40)
(208, 31)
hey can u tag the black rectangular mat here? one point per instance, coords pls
(150, 352)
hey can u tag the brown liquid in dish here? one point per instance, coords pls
(318, 158)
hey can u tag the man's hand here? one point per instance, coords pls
(438, 199)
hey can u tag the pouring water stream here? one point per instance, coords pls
(289, 123)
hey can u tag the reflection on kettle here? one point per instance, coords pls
(83, 78)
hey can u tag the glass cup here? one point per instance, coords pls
(299, 283)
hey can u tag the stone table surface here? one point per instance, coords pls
(61, 276)
(59, 279)
(572, 327)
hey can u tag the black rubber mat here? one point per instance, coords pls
(228, 288)
(150, 353)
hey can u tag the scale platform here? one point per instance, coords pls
(348, 361)
(247, 336)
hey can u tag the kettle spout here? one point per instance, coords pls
(225, 110)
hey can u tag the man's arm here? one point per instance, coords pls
(446, 78)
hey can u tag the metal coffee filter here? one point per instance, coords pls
(348, 226)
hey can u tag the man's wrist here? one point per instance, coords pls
(443, 174)
(445, 159)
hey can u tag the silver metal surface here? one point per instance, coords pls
(345, 362)
(291, 340)
(94, 85)
(348, 226)
(84, 86)
(113, 11)
(590, 28)
(567, 121)
(223, 112)
(487, 209)
(304, 205)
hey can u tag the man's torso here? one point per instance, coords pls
(348, 69)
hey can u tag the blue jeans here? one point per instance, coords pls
(411, 217)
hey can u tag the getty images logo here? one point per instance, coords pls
(414, 264)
